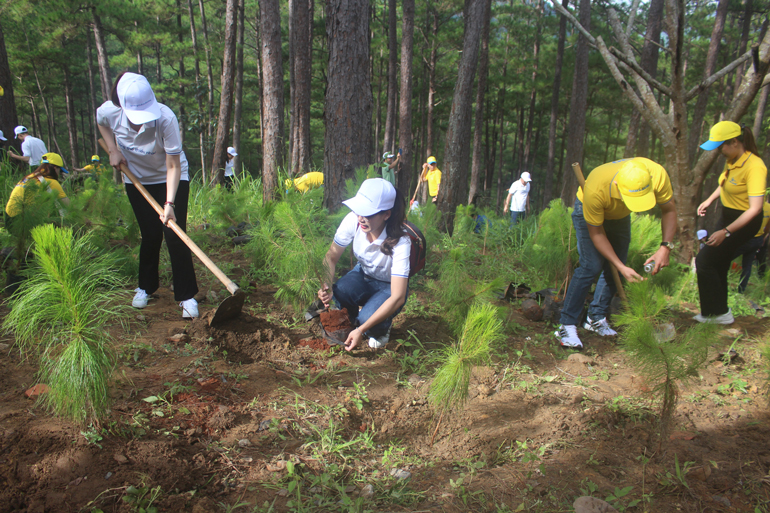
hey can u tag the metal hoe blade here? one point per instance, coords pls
(229, 308)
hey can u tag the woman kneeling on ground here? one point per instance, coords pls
(48, 177)
(379, 283)
(741, 190)
(144, 135)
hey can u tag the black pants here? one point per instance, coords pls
(713, 263)
(153, 232)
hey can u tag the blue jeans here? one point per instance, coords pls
(357, 289)
(592, 263)
(516, 215)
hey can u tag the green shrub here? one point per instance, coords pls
(552, 251)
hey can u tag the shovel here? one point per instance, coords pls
(231, 306)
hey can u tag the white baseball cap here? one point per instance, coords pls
(21, 129)
(375, 195)
(702, 234)
(526, 176)
(231, 151)
(2, 136)
(387, 155)
(137, 99)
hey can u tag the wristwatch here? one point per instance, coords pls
(667, 244)
(727, 232)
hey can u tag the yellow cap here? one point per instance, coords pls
(431, 160)
(53, 158)
(635, 185)
(95, 158)
(721, 132)
(287, 183)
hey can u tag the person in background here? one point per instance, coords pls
(3, 148)
(379, 283)
(741, 189)
(432, 174)
(32, 148)
(702, 236)
(390, 167)
(305, 182)
(602, 221)
(46, 177)
(518, 198)
(749, 250)
(229, 172)
(144, 135)
(92, 170)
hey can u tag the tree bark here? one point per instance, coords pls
(404, 178)
(198, 91)
(300, 71)
(72, 129)
(101, 53)
(226, 96)
(272, 99)
(478, 163)
(454, 183)
(760, 114)
(181, 73)
(577, 110)
(8, 117)
(348, 104)
(527, 157)
(238, 110)
(745, 30)
(209, 74)
(390, 115)
(431, 80)
(555, 93)
(92, 94)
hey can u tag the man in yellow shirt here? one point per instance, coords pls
(432, 174)
(45, 178)
(94, 167)
(305, 182)
(602, 222)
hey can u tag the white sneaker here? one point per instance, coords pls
(725, 318)
(189, 308)
(602, 328)
(381, 341)
(140, 298)
(569, 337)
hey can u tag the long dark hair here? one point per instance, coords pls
(394, 226)
(747, 139)
(114, 92)
(46, 171)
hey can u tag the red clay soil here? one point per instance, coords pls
(336, 320)
(318, 344)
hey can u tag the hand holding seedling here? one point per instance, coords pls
(629, 274)
(354, 338)
(324, 295)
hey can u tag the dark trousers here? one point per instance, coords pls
(153, 232)
(713, 263)
(748, 251)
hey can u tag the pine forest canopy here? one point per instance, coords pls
(58, 59)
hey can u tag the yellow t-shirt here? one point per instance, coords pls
(309, 181)
(746, 178)
(765, 219)
(434, 180)
(18, 197)
(94, 168)
(602, 200)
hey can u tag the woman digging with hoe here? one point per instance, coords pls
(741, 190)
(379, 283)
(144, 135)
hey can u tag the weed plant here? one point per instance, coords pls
(665, 365)
(60, 315)
(481, 330)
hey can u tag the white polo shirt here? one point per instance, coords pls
(519, 195)
(229, 167)
(145, 150)
(374, 262)
(33, 148)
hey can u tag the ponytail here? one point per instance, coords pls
(394, 226)
(747, 138)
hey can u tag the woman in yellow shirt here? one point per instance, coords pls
(46, 177)
(741, 190)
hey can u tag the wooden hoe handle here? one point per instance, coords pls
(227, 282)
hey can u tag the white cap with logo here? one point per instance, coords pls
(137, 99)
(375, 195)
(21, 129)
(526, 176)
(231, 151)
(2, 136)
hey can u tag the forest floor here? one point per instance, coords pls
(250, 416)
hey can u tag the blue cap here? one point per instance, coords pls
(711, 145)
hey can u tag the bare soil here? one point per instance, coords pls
(243, 403)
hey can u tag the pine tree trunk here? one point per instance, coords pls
(8, 117)
(748, 11)
(226, 96)
(548, 182)
(92, 94)
(760, 114)
(200, 117)
(139, 55)
(300, 71)
(577, 110)
(272, 99)
(348, 104)
(390, 115)
(181, 73)
(72, 129)
(101, 53)
(238, 109)
(432, 63)
(209, 73)
(454, 183)
(405, 141)
(477, 165)
(527, 164)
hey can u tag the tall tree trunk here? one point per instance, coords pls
(72, 129)
(300, 71)
(92, 94)
(457, 149)
(577, 109)
(238, 110)
(500, 186)
(699, 111)
(198, 91)
(478, 150)
(8, 117)
(390, 116)
(139, 54)
(209, 74)
(527, 157)
(548, 186)
(432, 63)
(348, 105)
(748, 11)
(272, 100)
(182, 111)
(101, 53)
(405, 141)
(226, 97)
(760, 114)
